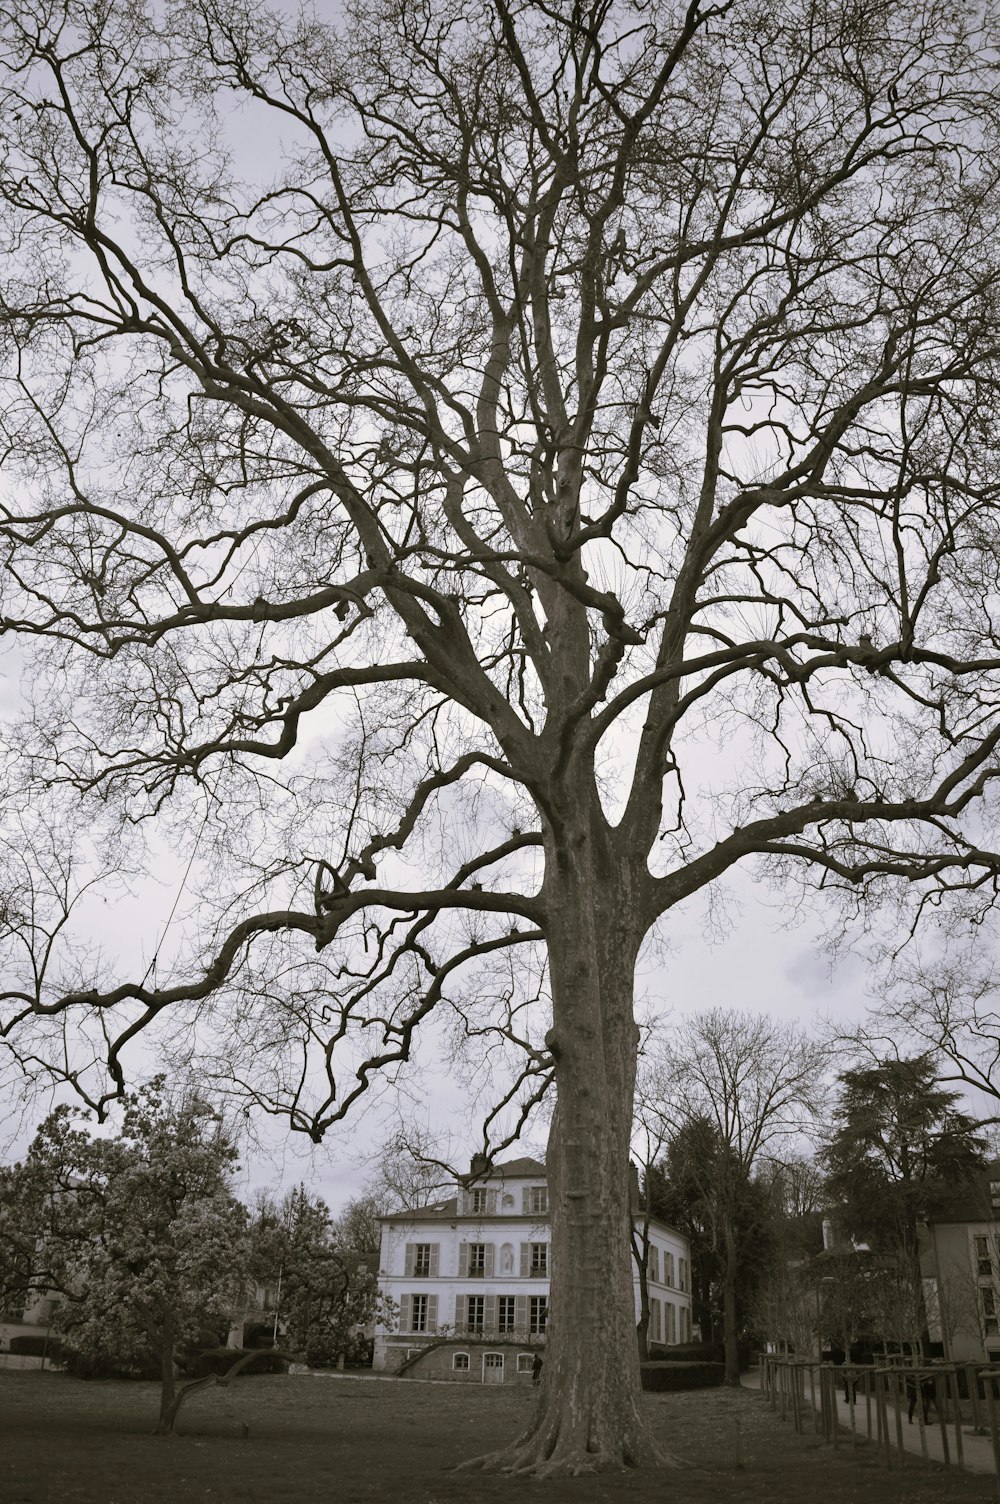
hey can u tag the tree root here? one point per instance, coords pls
(550, 1451)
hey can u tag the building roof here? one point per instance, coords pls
(525, 1168)
(446, 1209)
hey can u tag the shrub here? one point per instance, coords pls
(699, 1352)
(258, 1334)
(219, 1360)
(664, 1377)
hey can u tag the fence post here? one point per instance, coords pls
(882, 1413)
(989, 1385)
(959, 1443)
(894, 1380)
(972, 1384)
(941, 1400)
(868, 1401)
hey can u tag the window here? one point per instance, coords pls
(653, 1264)
(477, 1258)
(682, 1274)
(654, 1321)
(538, 1199)
(418, 1314)
(668, 1268)
(505, 1313)
(475, 1312)
(671, 1314)
(538, 1314)
(539, 1259)
(525, 1362)
(984, 1266)
(422, 1260)
(479, 1201)
(995, 1192)
(460, 1362)
(989, 1303)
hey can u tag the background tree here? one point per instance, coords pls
(359, 1226)
(406, 505)
(139, 1233)
(741, 1083)
(901, 1149)
(941, 1000)
(327, 1290)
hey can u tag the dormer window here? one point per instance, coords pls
(538, 1199)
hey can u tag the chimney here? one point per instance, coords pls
(633, 1186)
(479, 1164)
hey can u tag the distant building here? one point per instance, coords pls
(961, 1269)
(470, 1278)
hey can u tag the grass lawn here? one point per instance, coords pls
(340, 1441)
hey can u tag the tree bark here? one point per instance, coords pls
(588, 1417)
(166, 1420)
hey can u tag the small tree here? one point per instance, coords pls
(140, 1232)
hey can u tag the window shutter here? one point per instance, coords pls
(490, 1253)
(521, 1313)
(548, 1261)
(432, 1313)
(491, 1203)
(405, 1312)
(435, 1259)
(525, 1199)
(411, 1253)
(463, 1260)
(490, 1315)
(525, 1259)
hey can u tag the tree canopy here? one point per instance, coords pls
(480, 472)
(900, 1149)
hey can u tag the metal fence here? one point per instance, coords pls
(807, 1391)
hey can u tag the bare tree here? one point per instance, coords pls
(944, 1002)
(420, 440)
(752, 1082)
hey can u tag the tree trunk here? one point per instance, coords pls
(640, 1259)
(165, 1423)
(729, 1304)
(588, 1417)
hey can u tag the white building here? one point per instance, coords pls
(470, 1279)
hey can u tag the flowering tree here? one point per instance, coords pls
(492, 469)
(140, 1232)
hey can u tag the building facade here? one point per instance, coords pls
(469, 1279)
(961, 1269)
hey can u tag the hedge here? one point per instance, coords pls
(35, 1345)
(663, 1377)
(219, 1360)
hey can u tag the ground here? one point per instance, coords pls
(317, 1439)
